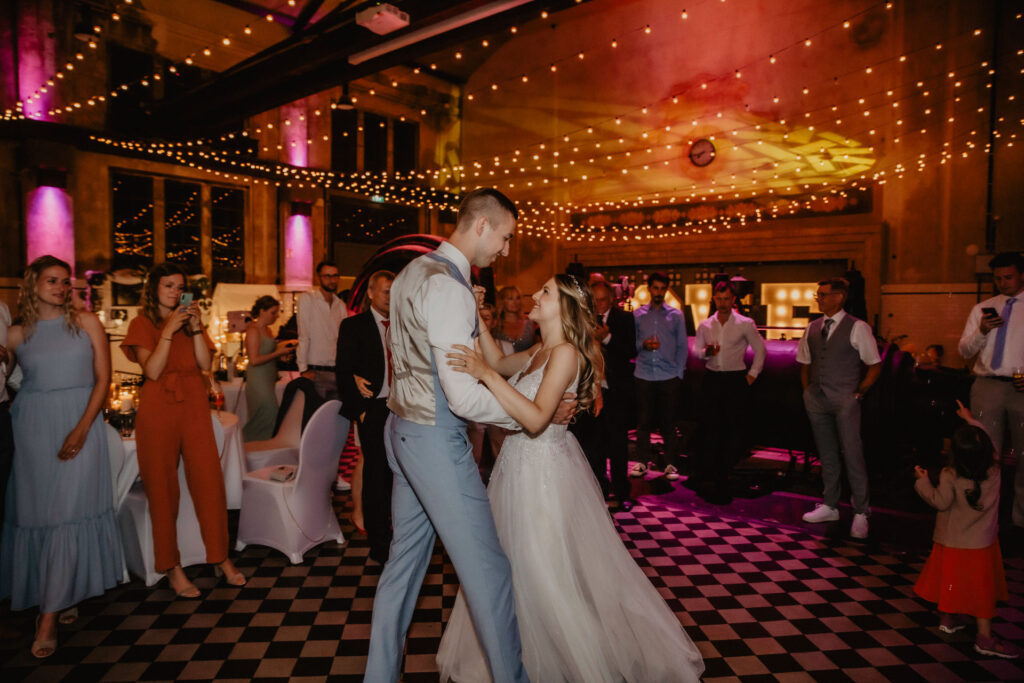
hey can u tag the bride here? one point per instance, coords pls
(586, 611)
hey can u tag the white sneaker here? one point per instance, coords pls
(671, 473)
(342, 486)
(824, 513)
(638, 470)
(859, 528)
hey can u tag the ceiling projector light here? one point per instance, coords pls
(382, 19)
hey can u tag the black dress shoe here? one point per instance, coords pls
(380, 556)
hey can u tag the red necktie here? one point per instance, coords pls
(387, 346)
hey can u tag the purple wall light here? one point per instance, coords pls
(49, 224)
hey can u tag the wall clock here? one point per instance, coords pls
(702, 152)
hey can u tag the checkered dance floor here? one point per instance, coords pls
(763, 602)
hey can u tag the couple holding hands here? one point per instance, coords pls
(548, 590)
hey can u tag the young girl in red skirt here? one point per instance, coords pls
(964, 573)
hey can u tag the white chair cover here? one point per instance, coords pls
(283, 448)
(123, 470)
(120, 471)
(137, 527)
(297, 515)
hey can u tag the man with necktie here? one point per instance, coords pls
(833, 353)
(994, 338)
(605, 436)
(364, 370)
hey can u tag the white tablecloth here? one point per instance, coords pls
(234, 394)
(232, 459)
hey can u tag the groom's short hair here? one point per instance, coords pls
(482, 201)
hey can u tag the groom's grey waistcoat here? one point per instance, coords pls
(416, 392)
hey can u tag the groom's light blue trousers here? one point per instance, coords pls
(437, 486)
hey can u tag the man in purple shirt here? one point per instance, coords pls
(660, 362)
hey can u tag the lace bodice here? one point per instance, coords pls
(527, 384)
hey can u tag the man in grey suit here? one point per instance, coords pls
(833, 353)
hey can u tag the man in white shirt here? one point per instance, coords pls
(994, 338)
(436, 482)
(722, 342)
(833, 352)
(319, 319)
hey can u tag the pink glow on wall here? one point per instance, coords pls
(36, 60)
(49, 225)
(298, 252)
(293, 135)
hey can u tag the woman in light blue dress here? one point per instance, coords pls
(60, 540)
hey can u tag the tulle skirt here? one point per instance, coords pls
(586, 611)
(964, 580)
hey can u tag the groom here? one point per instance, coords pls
(437, 486)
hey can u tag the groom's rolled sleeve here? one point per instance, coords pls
(445, 304)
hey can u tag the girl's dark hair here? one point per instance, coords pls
(264, 303)
(973, 455)
(150, 301)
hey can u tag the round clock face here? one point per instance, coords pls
(702, 152)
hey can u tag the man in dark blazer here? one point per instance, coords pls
(605, 438)
(363, 372)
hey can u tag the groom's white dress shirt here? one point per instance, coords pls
(446, 304)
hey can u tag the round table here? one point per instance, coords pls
(227, 429)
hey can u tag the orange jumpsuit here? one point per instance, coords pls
(174, 419)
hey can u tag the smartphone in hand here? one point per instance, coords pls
(990, 312)
(186, 300)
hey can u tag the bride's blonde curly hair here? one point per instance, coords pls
(576, 303)
(28, 300)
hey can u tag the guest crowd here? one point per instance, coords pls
(60, 537)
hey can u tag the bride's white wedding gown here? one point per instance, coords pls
(587, 613)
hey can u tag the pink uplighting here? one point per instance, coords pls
(293, 135)
(50, 225)
(36, 62)
(298, 252)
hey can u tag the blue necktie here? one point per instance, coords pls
(1000, 346)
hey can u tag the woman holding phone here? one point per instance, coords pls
(167, 339)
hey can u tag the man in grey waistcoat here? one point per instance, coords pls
(437, 487)
(833, 353)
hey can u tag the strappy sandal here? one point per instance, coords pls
(189, 592)
(68, 616)
(235, 579)
(39, 647)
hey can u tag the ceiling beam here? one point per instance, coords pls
(317, 60)
(308, 10)
(259, 11)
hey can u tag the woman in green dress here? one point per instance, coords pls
(263, 351)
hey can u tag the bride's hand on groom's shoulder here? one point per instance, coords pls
(467, 360)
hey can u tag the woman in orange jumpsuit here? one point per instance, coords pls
(173, 420)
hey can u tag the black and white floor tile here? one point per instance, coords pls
(764, 601)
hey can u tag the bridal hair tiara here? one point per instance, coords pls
(579, 290)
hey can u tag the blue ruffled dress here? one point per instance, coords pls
(60, 538)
